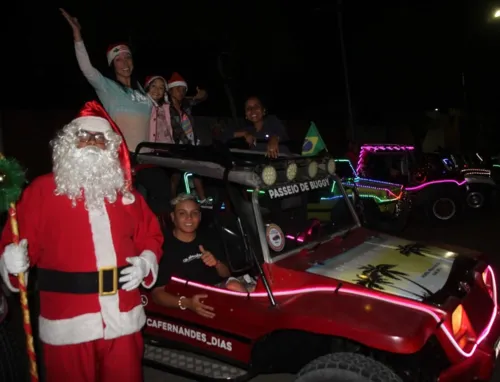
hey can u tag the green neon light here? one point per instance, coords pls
(350, 164)
(186, 182)
(260, 192)
(188, 188)
(378, 199)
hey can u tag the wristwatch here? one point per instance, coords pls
(181, 307)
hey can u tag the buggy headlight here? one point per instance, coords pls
(291, 171)
(269, 175)
(312, 170)
(331, 166)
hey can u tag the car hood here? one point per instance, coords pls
(395, 266)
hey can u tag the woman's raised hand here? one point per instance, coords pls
(74, 24)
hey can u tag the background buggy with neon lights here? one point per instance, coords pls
(387, 167)
(478, 171)
(341, 302)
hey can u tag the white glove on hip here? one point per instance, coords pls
(132, 276)
(15, 257)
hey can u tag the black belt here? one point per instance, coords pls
(104, 282)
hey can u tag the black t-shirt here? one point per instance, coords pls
(183, 260)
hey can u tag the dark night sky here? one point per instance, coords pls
(403, 55)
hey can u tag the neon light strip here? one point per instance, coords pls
(475, 169)
(299, 239)
(377, 188)
(186, 181)
(477, 173)
(373, 295)
(249, 190)
(387, 148)
(365, 196)
(378, 181)
(375, 148)
(350, 164)
(417, 188)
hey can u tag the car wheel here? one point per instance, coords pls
(443, 208)
(11, 358)
(475, 199)
(350, 367)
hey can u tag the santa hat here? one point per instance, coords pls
(92, 117)
(150, 79)
(176, 80)
(115, 50)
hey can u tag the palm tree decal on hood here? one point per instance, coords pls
(378, 276)
(409, 249)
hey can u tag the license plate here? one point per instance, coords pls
(497, 348)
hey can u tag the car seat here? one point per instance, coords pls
(154, 185)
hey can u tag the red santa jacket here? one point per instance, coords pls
(67, 238)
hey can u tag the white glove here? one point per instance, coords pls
(132, 276)
(15, 257)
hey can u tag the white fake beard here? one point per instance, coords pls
(91, 174)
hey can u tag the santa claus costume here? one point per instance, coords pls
(94, 241)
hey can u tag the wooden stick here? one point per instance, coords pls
(24, 301)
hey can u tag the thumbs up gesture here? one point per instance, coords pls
(208, 259)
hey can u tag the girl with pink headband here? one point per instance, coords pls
(122, 97)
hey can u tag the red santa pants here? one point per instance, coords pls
(119, 359)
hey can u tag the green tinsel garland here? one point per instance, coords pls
(12, 180)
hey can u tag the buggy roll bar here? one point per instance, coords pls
(218, 153)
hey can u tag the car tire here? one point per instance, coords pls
(375, 219)
(346, 367)
(475, 200)
(443, 207)
(11, 356)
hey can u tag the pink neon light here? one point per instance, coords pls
(373, 148)
(389, 299)
(299, 239)
(486, 330)
(387, 148)
(416, 188)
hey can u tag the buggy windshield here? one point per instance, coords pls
(302, 213)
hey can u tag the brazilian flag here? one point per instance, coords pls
(313, 143)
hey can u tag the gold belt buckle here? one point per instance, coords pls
(101, 281)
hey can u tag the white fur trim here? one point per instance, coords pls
(151, 259)
(109, 323)
(105, 257)
(89, 327)
(128, 199)
(117, 50)
(4, 274)
(93, 124)
(153, 79)
(177, 83)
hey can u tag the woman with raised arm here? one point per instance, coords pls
(121, 96)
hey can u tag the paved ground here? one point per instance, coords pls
(471, 232)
